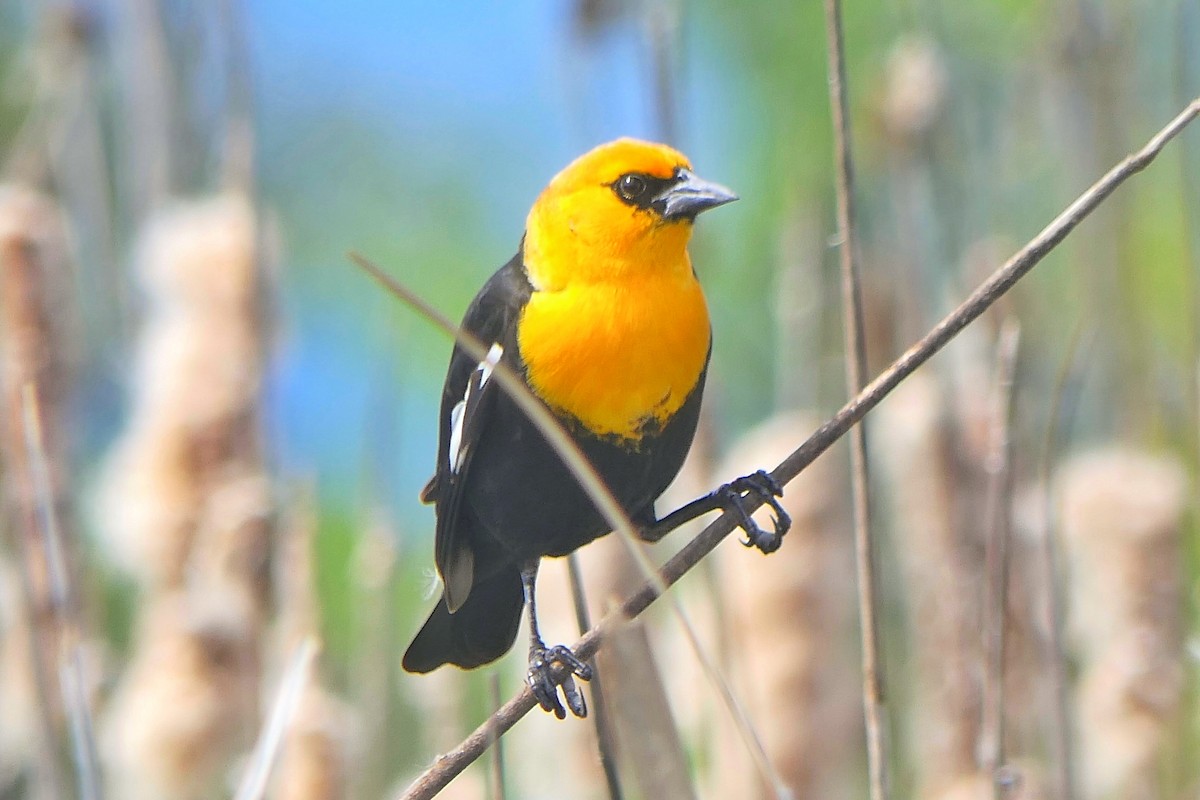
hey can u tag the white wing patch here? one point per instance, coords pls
(489, 363)
(465, 409)
(456, 429)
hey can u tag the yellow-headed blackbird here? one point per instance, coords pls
(601, 315)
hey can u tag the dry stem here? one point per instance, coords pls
(1062, 750)
(605, 743)
(33, 348)
(270, 740)
(71, 673)
(998, 515)
(874, 710)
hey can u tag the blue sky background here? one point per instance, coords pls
(420, 135)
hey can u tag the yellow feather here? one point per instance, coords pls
(616, 356)
(616, 332)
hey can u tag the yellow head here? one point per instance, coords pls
(620, 210)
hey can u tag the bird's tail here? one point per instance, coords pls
(482, 630)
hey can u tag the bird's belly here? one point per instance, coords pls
(532, 505)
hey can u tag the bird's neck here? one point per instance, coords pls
(567, 252)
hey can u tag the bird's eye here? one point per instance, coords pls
(630, 187)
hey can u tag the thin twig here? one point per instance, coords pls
(72, 683)
(31, 350)
(447, 766)
(497, 785)
(997, 516)
(874, 709)
(605, 741)
(1065, 401)
(270, 740)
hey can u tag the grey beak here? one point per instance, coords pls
(689, 195)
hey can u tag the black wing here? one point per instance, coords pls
(468, 399)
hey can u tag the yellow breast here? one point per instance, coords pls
(617, 355)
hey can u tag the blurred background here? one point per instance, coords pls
(215, 427)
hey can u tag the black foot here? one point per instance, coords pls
(767, 489)
(541, 679)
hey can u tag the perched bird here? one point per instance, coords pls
(601, 315)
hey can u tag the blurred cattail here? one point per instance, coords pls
(440, 700)
(33, 324)
(379, 641)
(315, 760)
(942, 563)
(966, 787)
(798, 291)
(199, 364)
(187, 702)
(314, 764)
(915, 87)
(1121, 513)
(1027, 688)
(18, 689)
(187, 504)
(933, 449)
(638, 677)
(790, 628)
(1016, 782)
(577, 762)
(34, 350)
(636, 699)
(909, 104)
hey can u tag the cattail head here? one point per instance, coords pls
(190, 449)
(789, 622)
(1121, 513)
(314, 764)
(915, 88)
(33, 252)
(187, 702)
(200, 258)
(188, 506)
(941, 559)
(18, 688)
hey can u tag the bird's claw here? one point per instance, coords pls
(544, 679)
(768, 490)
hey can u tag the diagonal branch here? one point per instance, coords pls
(450, 764)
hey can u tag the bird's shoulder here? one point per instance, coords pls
(497, 305)
(491, 317)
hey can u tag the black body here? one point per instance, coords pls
(512, 500)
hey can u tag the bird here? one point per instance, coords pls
(601, 316)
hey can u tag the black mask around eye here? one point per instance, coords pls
(640, 190)
(679, 197)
